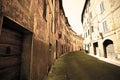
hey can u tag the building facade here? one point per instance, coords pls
(70, 40)
(26, 42)
(101, 27)
(30, 38)
(76, 41)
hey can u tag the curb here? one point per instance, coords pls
(111, 61)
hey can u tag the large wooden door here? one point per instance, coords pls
(10, 54)
(110, 51)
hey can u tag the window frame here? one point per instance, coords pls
(104, 24)
(102, 7)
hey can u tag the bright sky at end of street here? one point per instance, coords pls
(73, 10)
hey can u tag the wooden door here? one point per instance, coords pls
(10, 54)
(110, 51)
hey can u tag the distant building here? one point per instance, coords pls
(76, 41)
(101, 25)
(71, 41)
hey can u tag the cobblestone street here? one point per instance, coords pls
(80, 66)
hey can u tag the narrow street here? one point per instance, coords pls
(80, 66)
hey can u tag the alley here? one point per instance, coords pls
(80, 66)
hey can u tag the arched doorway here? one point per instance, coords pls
(108, 48)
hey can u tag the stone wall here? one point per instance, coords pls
(29, 15)
(110, 31)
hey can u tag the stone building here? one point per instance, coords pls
(50, 17)
(30, 38)
(101, 25)
(58, 35)
(26, 42)
(64, 40)
(78, 40)
(64, 27)
(75, 40)
(71, 41)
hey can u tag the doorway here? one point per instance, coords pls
(108, 48)
(95, 47)
(15, 51)
(11, 42)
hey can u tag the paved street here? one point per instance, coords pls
(80, 66)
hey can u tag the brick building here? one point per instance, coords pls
(101, 21)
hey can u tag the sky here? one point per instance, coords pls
(73, 10)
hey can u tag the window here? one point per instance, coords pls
(86, 10)
(92, 29)
(88, 32)
(51, 25)
(105, 26)
(89, 3)
(44, 9)
(60, 35)
(54, 28)
(102, 7)
(55, 21)
(52, 1)
(90, 14)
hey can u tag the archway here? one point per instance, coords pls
(108, 48)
